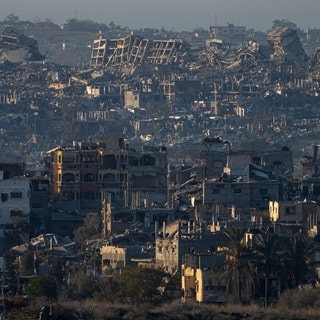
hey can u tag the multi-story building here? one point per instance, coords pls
(75, 174)
(218, 156)
(135, 50)
(246, 179)
(175, 241)
(15, 206)
(83, 173)
(230, 192)
(310, 173)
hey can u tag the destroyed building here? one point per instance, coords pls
(201, 280)
(16, 47)
(175, 240)
(229, 33)
(288, 53)
(286, 44)
(136, 50)
(83, 172)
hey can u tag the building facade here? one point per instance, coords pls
(290, 217)
(83, 173)
(15, 206)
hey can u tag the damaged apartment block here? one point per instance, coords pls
(136, 50)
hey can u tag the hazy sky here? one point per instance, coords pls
(172, 14)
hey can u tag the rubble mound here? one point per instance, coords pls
(18, 48)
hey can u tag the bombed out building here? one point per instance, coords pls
(82, 173)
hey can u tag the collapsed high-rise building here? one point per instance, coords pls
(17, 48)
(137, 50)
(291, 60)
(286, 44)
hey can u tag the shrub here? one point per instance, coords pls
(299, 298)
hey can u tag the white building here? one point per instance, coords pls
(15, 204)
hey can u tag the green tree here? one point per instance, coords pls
(107, 289)
(239, 268)
(42, 287)
(138, 285)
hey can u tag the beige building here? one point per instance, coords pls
(115, 258)
(131, 99)
(289, 217)
(200, 279)
(176, 240)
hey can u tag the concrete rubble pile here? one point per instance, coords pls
(283, 48)
(286, 45)
(315, 63)
(18, 48)
(129, 81)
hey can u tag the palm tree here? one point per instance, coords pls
(268, 254)
(238, 269)
(298, 258)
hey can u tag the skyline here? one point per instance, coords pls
(256, 14)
